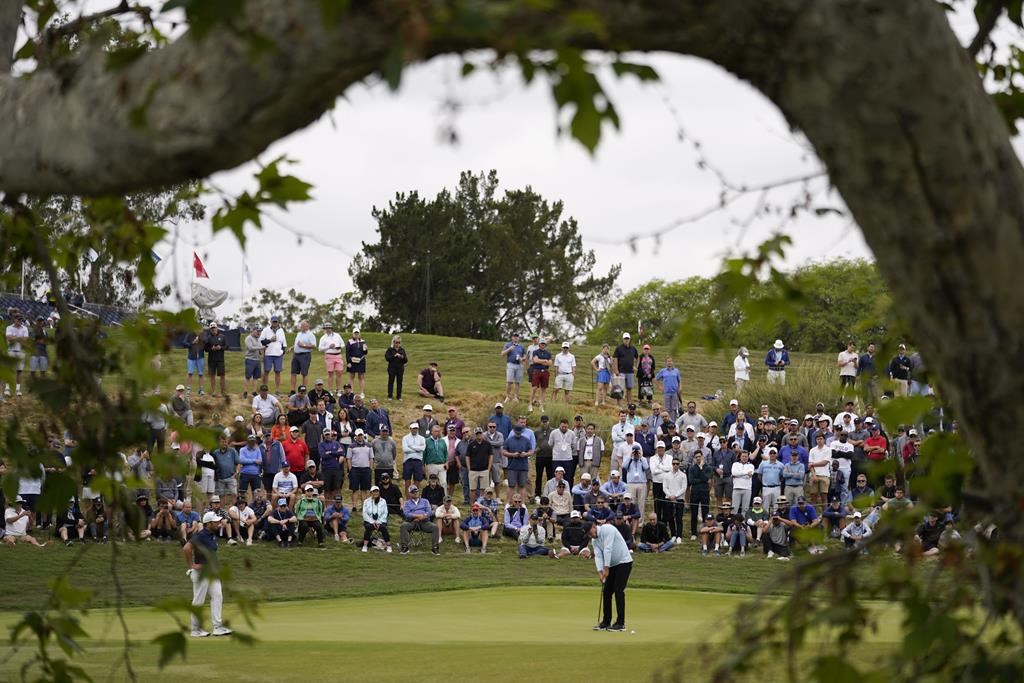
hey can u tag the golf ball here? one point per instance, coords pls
(632, 633)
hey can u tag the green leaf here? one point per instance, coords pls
(903, 411)
(122, 57)
(234, 217)
(58, 488)
(332, 10)
(171, 643)
(642, 71)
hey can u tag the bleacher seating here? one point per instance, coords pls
(108, 315)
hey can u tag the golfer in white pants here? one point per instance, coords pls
(199, 552)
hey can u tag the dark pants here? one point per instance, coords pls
(395, 382)
(268, 482)
(368, 532)
(545, 466)
(570, 470)
(315, 526)
(700, 506)
(157, 439)
(248, 481)
(615, 584)
(674, 511)
(777, 548)
(660, 504)
(284, 532)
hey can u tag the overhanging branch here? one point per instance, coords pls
(10, 21)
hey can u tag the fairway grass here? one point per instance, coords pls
(540, 633)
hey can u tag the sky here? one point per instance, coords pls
(642, 178)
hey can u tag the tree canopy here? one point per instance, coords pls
(470, 263)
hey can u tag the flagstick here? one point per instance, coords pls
(243, 286)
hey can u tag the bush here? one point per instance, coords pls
(805, 386)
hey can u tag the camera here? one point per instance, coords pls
(265, 342)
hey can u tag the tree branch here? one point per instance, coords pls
(75, 25)
(985, 26)
(10, 22)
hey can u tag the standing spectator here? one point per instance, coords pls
(518, 450)
(413, 447)
(332, 346)
(480, 457)
(602, 365)
(377, 418)
(331, 463)
(435, 455)
(671, 382)
(302, 353)
(253, 361)
(661, 466)
(636, 470)
(820, 461)
(429, 382)
(359, 461)
(196, 362)
(645, 371)
(540, 365)
(544, 467)
(39, 360)
(847, 363)
(899, 370)
(273, 459)
(385, 452)
(741, 369)
(562, 442)
(215, 343)
(699, 477)
(776, 360)
(623, 363)
(274, 345)
(674, 485)
(589, 450)
(416, 512)
(793, 473)
(250, 456)
(396, 358)
(565, 373)
(866, 373)
(742, 483)
(355, 359)
(228, 467)
(770, 471)
(722, 460)
(513, 353)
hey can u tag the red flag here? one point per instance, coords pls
(198, 266)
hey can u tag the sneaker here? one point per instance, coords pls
(693, 538)
(320, 544)
(202, 393)
(337, 538)
(783, 558)
(18, 392)
(199, 633)
(364, 549)
(436, 550)
(530, 409)
(248, 541)
(600, 627)
(222, 631)
(704, 551)
(483, 551)
(617, 627)
(388, 550)
(404, 550)
(68, 544)
(771, 554)
(542, 407)
(232, 541)
(743, 553)
(468, 551)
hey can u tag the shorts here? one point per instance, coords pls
(629, 378)
(518, 478)
(818, 485)
(252, 369)
(513, 373)
(357, 368)
(479, 480)
(215, 367)
(342, 525)
(227, 487)
(300, 363)
(333, 479)
(475, 541)
(38, 364)
(249, 481)
(359, 479)
(335, 362)
(207, 482)
(19, 357)
(412, 469)
(847, 380)
(196, 365)
(275, 363)
(539, 378)
(564, 381)
(604, 376)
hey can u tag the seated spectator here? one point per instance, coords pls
(375, 519)
(724, 518)
(600, 513)
(546, 516)
(855, 532)
(804, 516)
(243, 520)
(591, 497)
(899, 501)
(775, 540)
(580, 491)
(98, 520)
(476, 530)
(416, 511)
(614, 489)
(163, 526)
(655, 536)
(834, 517)
(282, 522)
(949, 535)
(551, 484)
(490, 505)
(429, 383)
(516, 517)
(624, 529)
(561, 503)
(19, 521)
(261, 509)
(336, 518)
(447, 517)
(146, 517)
(310, 477)
(310, 513)
(575, 538)
(630, 512)
(224, 528)
(188, 522)
(531, 538)
(757, 519)
(286, 484)
(433, 492)
(710, 534)
(738, 536)
(888, 490)
(71, 524)
(861, 493)
(181, 406)
(929, 533)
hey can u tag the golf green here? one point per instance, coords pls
(540, 632)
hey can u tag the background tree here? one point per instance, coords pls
(341, 311)
(472, 264)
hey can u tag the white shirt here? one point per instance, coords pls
(413, 446)
(588, 448)
(660, 466)
(603, 362)
(277, 341)
(741, 367)
(845, 454)
(847, 363)
(306, 337)
(329, 340)
(742, 476)
(441, 512)
(19, 528)
(822, 417)
(265, 406)
(674, 484)
(619, 431)
(19, 332)
(285, 483)
(565, 363)
(246, 516)
(817, 454)
(749, 429)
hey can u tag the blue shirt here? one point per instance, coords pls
(636, 470)
(599, 514)
(774, 356)
(190, 519)
(205, 545)
(503, 422)
(330, 454)
(412, 507)
(771, 472)
(610, 548)
(516, 354)
(543, 354)
(794, 474)
(518, 444)
(376, 419)
(613, 488)
(250, 459)
(670, 378)
(785, 451)
(805, 516)
(272, 457)
(331, 509)
(226, 460)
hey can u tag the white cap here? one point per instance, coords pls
(559, 469)
(360, 432)
(912, 432)
(625, 335)
(414, 425)
(210, 516)
(702, 435)
(565, 345)
(773, 449)
(757, 499)
(660, 444)
(615, 473)
(778, 344)
(180, 387)
(543, 340)
(355, 330)
(585, 475)
(734, 402)
(374, 488)
(308, 487)
(676, 438)
(239, 418)
(856, 515)
(428, 407)
(690, 428)
(712, 424)
(574, 514)
(499, 405)
(175, 446)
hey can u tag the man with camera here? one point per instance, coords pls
(274, 345)
(531, 538)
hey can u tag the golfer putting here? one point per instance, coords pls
(200, 552)
(614, 563)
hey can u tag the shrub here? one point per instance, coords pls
(805, 386)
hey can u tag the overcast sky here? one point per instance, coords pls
(642, 178)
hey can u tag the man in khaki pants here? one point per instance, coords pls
(589, 450)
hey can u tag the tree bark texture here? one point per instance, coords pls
(890, 100)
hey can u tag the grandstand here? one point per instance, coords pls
(108, 315)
